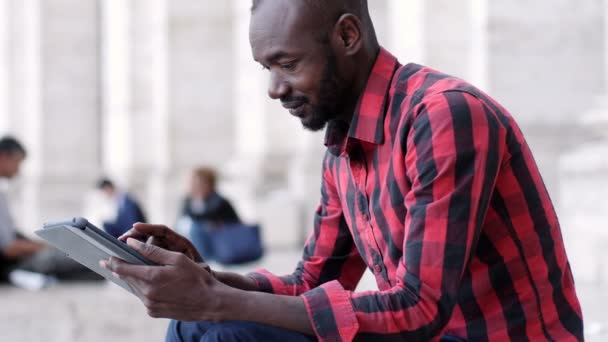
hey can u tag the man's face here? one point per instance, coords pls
(303, 67)
(10, 164)
(200, 187)
(108, 191)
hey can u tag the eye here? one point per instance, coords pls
(290, 66)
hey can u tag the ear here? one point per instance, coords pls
(348, 36)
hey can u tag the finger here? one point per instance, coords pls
(156, 241)
(154, 253)
(104, 264)
(135, 285)
(157, 230)
(133, 234)
(141, 231)
(124, 270)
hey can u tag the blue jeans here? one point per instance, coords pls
(232, 331)
(235, 331)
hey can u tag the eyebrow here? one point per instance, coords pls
(276, 56)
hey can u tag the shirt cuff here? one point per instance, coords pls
(262, 280)
(331, 312)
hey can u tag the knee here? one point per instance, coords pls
(182, 331)
(173, 332)
(228, 332)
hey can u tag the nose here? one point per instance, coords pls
(277, 86)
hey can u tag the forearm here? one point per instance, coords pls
(236, 281)
(287, 312)
(22, 248)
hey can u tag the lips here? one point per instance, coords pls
(292, 104)
(294, 107)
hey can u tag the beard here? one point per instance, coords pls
(330, 95)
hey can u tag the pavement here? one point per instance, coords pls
(88, 312)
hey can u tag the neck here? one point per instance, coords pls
(364, 63)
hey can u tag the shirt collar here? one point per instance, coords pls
(367, 123)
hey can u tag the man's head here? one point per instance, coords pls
(202, 183)
(12, 154)
(107, 187)
(319, 54)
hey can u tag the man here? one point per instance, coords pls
(18, 252)
(427, 182)
(128, 211)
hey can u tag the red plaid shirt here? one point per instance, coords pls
(434, 189)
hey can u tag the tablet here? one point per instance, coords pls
(87, 244)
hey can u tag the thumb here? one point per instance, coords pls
(153, 253)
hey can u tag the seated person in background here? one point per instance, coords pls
(128, 213)
(206, 209)
(18, 252)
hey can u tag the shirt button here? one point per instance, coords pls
(378, 268)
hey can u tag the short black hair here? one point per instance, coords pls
(105, 183)
(357, 7)
(10, 145)
(331, 10)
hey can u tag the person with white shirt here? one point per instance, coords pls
(19, 253)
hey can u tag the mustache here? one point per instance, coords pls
(290, 99)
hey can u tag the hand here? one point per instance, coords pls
(164, 237)
(177, 289)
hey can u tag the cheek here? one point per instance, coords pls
(307, 83)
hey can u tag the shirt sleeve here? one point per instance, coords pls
(8, 233)
(453, 153)
(330, 253)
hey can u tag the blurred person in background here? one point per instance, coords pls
(427, 182)
(128, 211)
(206, 210)
(19, 253)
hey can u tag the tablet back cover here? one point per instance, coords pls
(75, 244)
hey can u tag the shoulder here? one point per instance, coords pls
(219, 199)
(417, 89)
(129, 198)
(417, 83)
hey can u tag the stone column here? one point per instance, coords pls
(583, 180)
(447, 35)
(117, 149)
(201, 76)
(199, 91)
(243, 171)
(136, 123)
(152, 121)
(54, 104)
(406, 35)
(22, 102)
(583, 175)
(4, 39)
